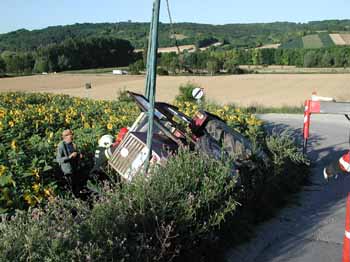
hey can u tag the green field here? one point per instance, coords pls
(326, 40)
(312, 41)
(319, 40)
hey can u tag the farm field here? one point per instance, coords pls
(322, 39)
(255, 89)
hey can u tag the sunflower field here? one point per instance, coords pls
(31, 127)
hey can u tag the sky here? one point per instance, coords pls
(38, 14)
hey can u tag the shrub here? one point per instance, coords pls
(186, 93)
(154, 219)
(123, 96)
(136, 67)
(286, 170)
(162, 71)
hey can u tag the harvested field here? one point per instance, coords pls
(269, 46)
(267, 90)
(190, 48)
(337, 39)
(346, 38)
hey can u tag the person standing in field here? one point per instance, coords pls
(68, 158)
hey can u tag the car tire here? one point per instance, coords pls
(233, 143)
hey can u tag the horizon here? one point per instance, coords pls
(41, 14)
(182, 22)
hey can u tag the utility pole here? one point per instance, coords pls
(151, 76)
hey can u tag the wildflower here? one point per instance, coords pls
(35, 173)
(82, 117)
(30, 201)
(11, 123)
(68, 119)
(14, 144)
(48, 192)
(2, 170)
(109, 126)
(36, 187)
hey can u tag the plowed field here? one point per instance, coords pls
(268, 90)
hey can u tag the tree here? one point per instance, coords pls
(41, 65)
(136, 67)
(267, 56)
(19, 62)
(174, 65)
(166, 60)
(2, 66)
(310, 59)
(213, 66)
(256, 57)
(63, 63)
(327, 60)
(230, 65)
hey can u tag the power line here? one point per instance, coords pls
(172, 26)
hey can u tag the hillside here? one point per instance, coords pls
(319, 40)
(237, 35)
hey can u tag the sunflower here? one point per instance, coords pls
(14, 144)
(2, 170)
(36, 187)
(48, 192)
(35, 173)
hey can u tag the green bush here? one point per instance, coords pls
(283, 174)
(136, 67)
(123, 96)
(186, 92)
(162, 71)
(157, 218)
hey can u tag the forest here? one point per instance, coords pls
(84, 46)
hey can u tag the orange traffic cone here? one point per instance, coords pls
(346, 246)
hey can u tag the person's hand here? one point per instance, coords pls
(73, 155)
(81, 156)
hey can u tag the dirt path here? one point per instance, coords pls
(264, 89)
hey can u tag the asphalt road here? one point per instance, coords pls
(313, 228)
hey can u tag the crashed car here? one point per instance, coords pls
(172, 129)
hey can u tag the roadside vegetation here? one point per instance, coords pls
(187, 210)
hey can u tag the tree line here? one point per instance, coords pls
(71, 54)
(238, 35)
(215, 60)
(88, 53)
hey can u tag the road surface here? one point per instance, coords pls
(313, 229)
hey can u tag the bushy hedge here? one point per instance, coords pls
(168, 215)
(150, 219)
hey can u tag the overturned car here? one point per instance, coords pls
(172, 129)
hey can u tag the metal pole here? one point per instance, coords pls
(152, 77)
(147, 91)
